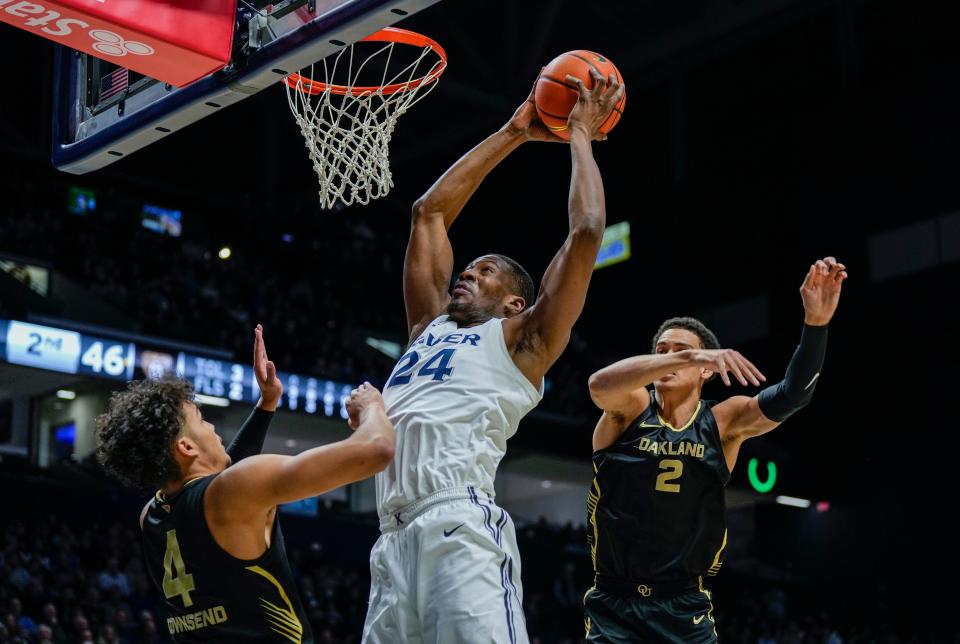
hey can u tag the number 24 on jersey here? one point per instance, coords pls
(438, 367)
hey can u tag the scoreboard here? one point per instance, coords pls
(83, 354)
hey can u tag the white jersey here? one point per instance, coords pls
(455, 398)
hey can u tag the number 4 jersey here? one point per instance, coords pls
(455, 398)
(209, 595)
(656, 506)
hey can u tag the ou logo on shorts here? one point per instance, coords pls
(112, 44)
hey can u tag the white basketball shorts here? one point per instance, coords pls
(446, 570)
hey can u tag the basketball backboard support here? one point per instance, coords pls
(103, 112)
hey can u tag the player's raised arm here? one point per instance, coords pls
(261, 482)
(545, 327)
(428, 265)
(250, 436)
(742, 417)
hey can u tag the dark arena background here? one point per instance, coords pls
(758, 136)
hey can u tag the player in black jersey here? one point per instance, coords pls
(662, 458)
(211, 536)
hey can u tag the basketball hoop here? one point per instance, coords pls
(347, 127)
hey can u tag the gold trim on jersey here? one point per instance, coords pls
(586, 620)
(589, 590)
(282, 620)
(710, 601)
(715, 566)
(696, 412)
(593, 500)
(162, 498)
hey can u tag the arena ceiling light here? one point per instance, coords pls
(793, 501)
(66, 394)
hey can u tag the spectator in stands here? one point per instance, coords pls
(44, 634)
(27, 625)
(51, 621)
(108, 635)
(112, 578)
(81, 627)
(19, 576)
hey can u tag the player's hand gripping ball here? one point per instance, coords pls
(555, 97)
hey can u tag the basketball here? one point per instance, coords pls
(555, 97)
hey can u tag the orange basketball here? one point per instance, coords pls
(555, 97)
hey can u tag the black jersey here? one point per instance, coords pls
(656, 506)
(209, 595)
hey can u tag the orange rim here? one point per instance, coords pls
(387, 34)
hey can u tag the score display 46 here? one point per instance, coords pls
(114, 360)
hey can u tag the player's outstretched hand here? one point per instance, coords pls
(361, 401)
(527, 122)
(727, 361)
(271, 389)
(820, 290)
(594, 105)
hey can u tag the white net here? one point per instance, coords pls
(347, 127)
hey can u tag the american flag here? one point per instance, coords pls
(114, 83)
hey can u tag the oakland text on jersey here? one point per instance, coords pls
(680, 448)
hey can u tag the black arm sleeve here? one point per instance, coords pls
(778, 402)
(249, 438)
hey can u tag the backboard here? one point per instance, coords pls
(103, 112)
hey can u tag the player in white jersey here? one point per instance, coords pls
(446, 568)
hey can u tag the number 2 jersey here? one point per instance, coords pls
(209, 595)
(455, 398)
(656, 506)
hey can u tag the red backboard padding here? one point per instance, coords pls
(176, 41)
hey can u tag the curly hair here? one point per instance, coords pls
(707, 339)
(135, 434)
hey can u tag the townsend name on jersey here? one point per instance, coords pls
(198, 620)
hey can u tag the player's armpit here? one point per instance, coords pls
(539, 335)
(616, 419)
(609, 428)
(740, 417)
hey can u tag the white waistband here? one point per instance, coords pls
(411, 511)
